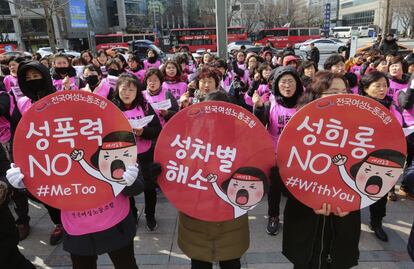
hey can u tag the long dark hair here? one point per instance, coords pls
(139, 100)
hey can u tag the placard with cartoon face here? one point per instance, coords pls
(73, 148)
(345, 150)
(215, 159)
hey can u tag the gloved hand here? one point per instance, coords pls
(131, 174)
(15, 177)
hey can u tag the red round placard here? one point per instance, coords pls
(73, 148)
(345, 150)
(216, 157)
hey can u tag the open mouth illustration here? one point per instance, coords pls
(242, 197)
(117, 169)
(374, 185)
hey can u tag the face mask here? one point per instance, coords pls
(62, 70)
(36, 88)
(92, 80)
(152, 59)
(113, 72)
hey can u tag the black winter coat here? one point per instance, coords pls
(314, 55)
(306, 235)
(389, 46)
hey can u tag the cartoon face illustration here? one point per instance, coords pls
(374, 176)
(111, 159)
(113, 162)
(245, 193)
(375, 180)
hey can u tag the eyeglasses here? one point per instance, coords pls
(289, 81)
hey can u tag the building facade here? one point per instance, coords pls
(362, 12)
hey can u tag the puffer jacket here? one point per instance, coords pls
(213, 241)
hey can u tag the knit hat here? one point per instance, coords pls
(288, 59)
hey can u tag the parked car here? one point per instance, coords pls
(24, 54)
(140, 48)
(237, 45)
(47, 51)
(325, 45)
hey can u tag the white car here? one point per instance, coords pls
(47, 51)
(324, 45)
(237, 44)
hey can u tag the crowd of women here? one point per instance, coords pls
(273, 87)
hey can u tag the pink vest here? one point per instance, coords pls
(112, 80)
(24, 104)
(408, 115)
(103, 89)
(5, 133)
(394, 88)
(278, 118)
(177, 89)
(226, 83)
(263, 91)
(96, 219)
(246, 76)
(161, 96)
(397, 114)
(148, 65)
(241, 66)
(11, 84)
(58, 83)
(355, 90)
(136, 113)
(356, 69)
(140, 74)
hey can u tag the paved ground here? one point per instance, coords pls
(159, 249)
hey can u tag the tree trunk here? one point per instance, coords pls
(49, 26)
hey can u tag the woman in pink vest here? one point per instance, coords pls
(406, 104)
(240, 68)
(35, 82)
(135, 68)
(10, 81)
(227, 77)
(129, 98)
(397, 67)
(260, 83)
(112, 231)
(161, 99)
(95, 83)
(376, 86)
(152, 60)
(357, 66)
(173, 80)
(63, 74)
(286, 90)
